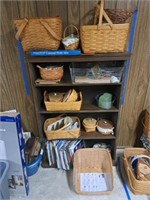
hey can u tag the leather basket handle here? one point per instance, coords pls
(48, 28)
(21, 28)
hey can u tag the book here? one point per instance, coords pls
(55, 53)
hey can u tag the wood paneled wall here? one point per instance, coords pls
(13, 93)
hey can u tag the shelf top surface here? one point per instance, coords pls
(80, 58)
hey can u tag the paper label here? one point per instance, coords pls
(93, 182)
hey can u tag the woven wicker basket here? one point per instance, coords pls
(39, 33)
(53, 106)
(104, 38)
(52, 73)
(74, 45)
(89, 124)
(91, 160)
(61, 134)
(117, 16)
(137, 186)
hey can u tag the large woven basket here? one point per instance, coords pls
(137, 186)
(103, 38)
(92, 160)
(39, 33)
(53, 106)
(61, 134)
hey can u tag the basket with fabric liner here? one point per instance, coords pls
(53, 106)
(61, 134)
(137, 186)
(74, 45)
(103, 38)
(52, 73)
(39, 33)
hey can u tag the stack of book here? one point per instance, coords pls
(60, 152)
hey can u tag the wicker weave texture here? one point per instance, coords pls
(137, 186)
(39, 34)
(53, 106)
(76, 44)
(91, 160)
(51, 73)
(61, 134)
(104, 38)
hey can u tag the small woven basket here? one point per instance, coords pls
(61, 134)
(74, 45)
(137, 186)
(89, 124)
(52, 73)
(92, 160)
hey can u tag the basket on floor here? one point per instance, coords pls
(104, 38)
(94, 162)
(137, 186)
(39, 33)
(74, 45)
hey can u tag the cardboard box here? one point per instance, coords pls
(11, 135)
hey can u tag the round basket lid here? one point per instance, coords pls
(66, 96)
(73, 96)
(89, 121)
(106, 124)
(55, 97)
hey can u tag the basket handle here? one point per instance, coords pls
(103, 13)
(21, 28)
(48, 28)
(69, 26)
(144, 124)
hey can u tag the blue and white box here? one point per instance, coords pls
(11, 135)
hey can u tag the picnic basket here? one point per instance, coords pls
(92, 161)
(39, 33)
(104, 38)
(61, 134)
(75, 45)
(137, 186)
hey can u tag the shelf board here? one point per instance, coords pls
(95, 135)
(79, 58)
(75, 84)
(84, 109)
